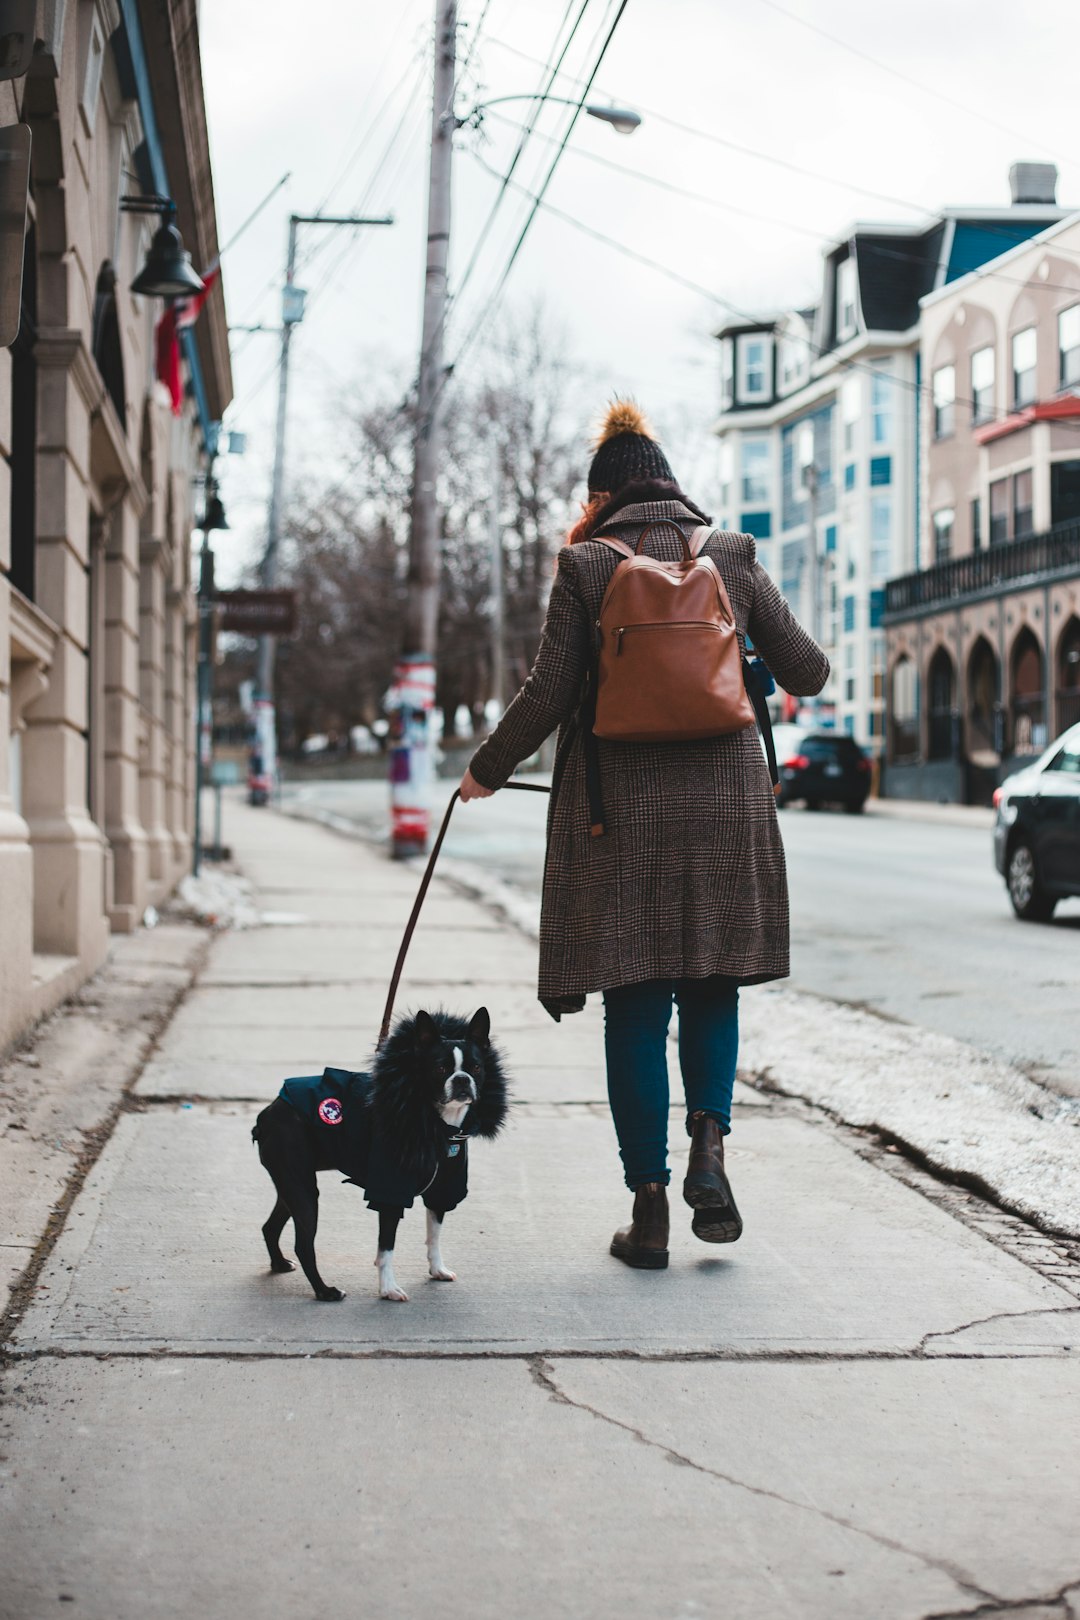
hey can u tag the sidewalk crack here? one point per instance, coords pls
(1058, 1601)
(997, 1316)
(543, 1375)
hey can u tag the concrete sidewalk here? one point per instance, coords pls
(871, 1401)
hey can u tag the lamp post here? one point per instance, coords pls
(213, 518)
(412, 694)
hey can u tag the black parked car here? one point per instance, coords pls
(1037, 831)
(821, 767)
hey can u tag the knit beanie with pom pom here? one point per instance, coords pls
(626, 451)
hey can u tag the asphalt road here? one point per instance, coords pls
(904, 916)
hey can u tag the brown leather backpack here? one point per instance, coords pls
(670, 666)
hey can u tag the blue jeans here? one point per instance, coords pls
(636, 1019)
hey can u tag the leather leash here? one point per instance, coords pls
(425, 883)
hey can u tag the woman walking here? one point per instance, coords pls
(684, 897)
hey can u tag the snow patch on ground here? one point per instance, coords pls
(216, 899)
(966, 1112)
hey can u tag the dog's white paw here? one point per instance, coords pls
(441, 1274)
(392, 1291)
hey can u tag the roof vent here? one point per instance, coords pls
(1033, 183)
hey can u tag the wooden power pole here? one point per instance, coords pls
(413, 695)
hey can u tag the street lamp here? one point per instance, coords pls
(623, 120)
(167, 272)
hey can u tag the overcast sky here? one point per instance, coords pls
(956, 92)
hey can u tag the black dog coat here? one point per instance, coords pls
(336, 1106)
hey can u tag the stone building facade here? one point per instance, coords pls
(984, 641)
(99, 489)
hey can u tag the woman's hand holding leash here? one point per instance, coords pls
(470, 788)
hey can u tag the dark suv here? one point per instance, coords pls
(1037, 831)
(821, 767)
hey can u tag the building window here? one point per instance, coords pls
(1022, 504)
(755, 358)
(849, 613)
(846, 299)
(976, 524)
(877, 613)
(944, 401)
(1064, 492)
(755, 472)
(943, 531)
(999, 511)
(727, 373)
(794, 353)
(791, 564)
(881, 470)
(759, 524)
(880, 536)
(881, 405)
(830, 538)
(982, 385)
(849, 411)
(849, 475)
(1069, 347)
(1024, 351)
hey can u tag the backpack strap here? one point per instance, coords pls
(617, 545)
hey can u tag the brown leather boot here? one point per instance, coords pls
(644, 1242)
(707, 1189)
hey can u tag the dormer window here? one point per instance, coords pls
(847, 295)
(755, 368)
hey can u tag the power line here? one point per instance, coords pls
(376, 118)
(907, 78)
(817, 350)
(675, 190)
(989, 226)
(537, 202)
(543, 90)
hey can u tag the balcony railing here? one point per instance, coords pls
(985, 571)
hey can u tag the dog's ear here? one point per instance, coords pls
(426, 1033)
(480, 1027)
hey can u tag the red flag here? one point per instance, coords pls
(180, 314)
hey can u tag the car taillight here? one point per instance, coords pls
(797, 762)
(997, 797)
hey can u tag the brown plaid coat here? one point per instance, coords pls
(690, 878)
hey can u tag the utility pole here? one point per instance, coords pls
(412, 696)
(292, 313)
(498, 587)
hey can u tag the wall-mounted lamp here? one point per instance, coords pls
(167, 272)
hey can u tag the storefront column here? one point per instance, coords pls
(68, 849)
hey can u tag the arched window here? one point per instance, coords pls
(1068, 676)
(106, 339)
(1028, 694)
(984, 699)
(941, 693)
(903, 711)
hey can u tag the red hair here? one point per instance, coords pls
(583, 527)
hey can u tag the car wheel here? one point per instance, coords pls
(1029, 900)
(855, 807)
(813, 804)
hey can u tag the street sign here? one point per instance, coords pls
(258, 613)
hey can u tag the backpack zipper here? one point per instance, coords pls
(683, 624)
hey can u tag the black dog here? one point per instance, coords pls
(400, 1132)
